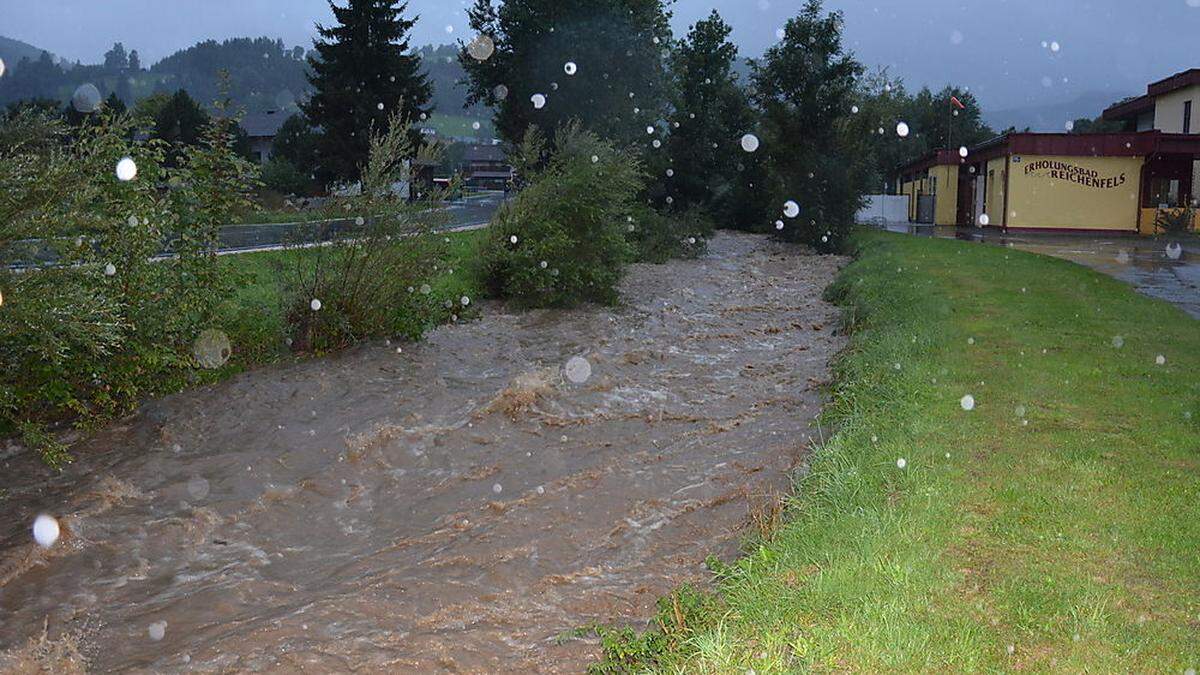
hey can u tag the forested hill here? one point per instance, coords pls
(264, 73)
(12, 51)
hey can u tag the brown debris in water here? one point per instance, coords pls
(40, 654)
(524, 391)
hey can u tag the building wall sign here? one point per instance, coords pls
(1073, 173)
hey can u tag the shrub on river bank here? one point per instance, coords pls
(88, 337)
(562, 240)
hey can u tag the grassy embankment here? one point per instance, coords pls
(253, 316)
(1054, 526)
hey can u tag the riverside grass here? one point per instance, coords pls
(1054, 526)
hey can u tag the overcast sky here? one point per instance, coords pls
(993, 46)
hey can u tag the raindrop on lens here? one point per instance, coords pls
(500, 92)
(1174, 250)
(902, 130)
(749, 142)
(577, 369)
(45, 530)
(481, 48)
(425, 289)
(464, 300)
(1118, 341)
(967, 402)
(315, 305)
(1160, 360)
(497, 488)
(962, 151)
(569, 68)
(791, 209)
(983, 219)
(901, 463)
(539, 101)
(110, 270)
(513, 239)
(126, 169)
(86, 98)
(157, 630)
(211, 348)
(197, 487)
(779, 224)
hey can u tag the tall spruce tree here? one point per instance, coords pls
(363, 70)
(708, 166)
(601, 62)
(805, 86)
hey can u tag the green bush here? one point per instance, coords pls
(376, 278)
(561, 241)
(85, 337)
(283, 177)
(656, 237)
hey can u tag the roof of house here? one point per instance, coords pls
(1139, 104)
(264, 125)
(485, 153)
(1124, 144)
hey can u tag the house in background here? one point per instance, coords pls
(486, 167)
(262, 128)
(1106, 182)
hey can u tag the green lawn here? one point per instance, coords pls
(1054, 526)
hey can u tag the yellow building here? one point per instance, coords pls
(1113, 182)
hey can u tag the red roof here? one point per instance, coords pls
(1134, 106)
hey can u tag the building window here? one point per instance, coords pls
(1187, 117)
(1164, 192)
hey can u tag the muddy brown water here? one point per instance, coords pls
(453, 507)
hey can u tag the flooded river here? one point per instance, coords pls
(453, 506)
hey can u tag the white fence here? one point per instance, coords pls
(883, 209)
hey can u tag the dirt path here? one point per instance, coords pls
(452, 507)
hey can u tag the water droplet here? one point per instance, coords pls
(1160, 360)
(464, 301)
(749, 142)
(791, 209)
(1118, 341)
(126, 169)
(983, 219)
(544, 264)
(497, 488)
(1, 67)
(854, 109)
(86, 98)
(539, 101)
(481, 47)
(500, 92)
(197, 487)
(512, 239)
(110, 270)
(577, 369)
(45, 530)
(967, 402)
(1174, 250)
(425, 289)
(1054, 46)
(315, 305)
(569, 68)
(970, 340)
(901, 463)
(157, 630)
(902, 129)
(211, 348)
(962, 151)
(650, 130)
(779, 224)
(475, 126)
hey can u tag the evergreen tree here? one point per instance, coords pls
(115, 59)
(805, 86)
(708, 166)
(181, 121)
(598, 61)
(135, 61)
(362, 72)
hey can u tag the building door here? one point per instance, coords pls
(978, 185)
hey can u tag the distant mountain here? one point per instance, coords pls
(1052, 116)
(12, 51)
